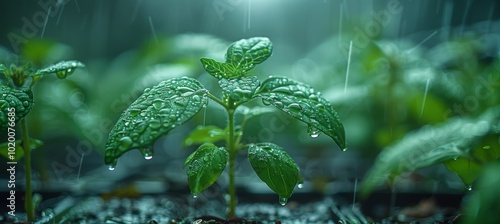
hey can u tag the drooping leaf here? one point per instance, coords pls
(428, 146)
(62, 69)
(157, 111)
(246, 53)
(219, 70)
(240, 89)
(204, 134)
(204, 166)
(17, 146)
(302, 102)
(275, 167)
(21, 100)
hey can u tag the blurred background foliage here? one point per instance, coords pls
(421, 92)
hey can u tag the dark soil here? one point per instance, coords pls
(305, 208)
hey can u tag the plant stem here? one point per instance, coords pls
(27, 169)
(232, 163)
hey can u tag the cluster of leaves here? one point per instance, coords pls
(173, 102)
(16, 93)
(433, 122)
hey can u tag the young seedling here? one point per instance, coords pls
(16, 101)
(173, 102)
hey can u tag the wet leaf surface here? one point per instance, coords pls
(246, 53)
(157, 111)
(19, 99)
(61, 69)
(275, 167)
(239, 90)
(204, 166)
(304, 103)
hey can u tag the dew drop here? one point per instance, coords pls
(147, 153)
(134, 112)
(158, 103)
(468, 187)
(155, 124)
(266, 102)
(125, 142)
(283, 201)
(313, 132)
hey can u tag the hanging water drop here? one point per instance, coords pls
(313, 132)
(283, 201)
(61, 74)
(147, 153)
(111, 167)
(300, 185)
(195, 196)
(468, 187)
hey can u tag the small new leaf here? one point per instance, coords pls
(21, 100)
(157, 111)
(275, 167)
(204, 134)
(240, 89)
(6, 147)
(302, 102)
(62, 69)
(219, 70)
(204, 166)
(246, 53)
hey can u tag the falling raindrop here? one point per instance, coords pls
(348, 67)
(344, 149)
(425, 97)
(283, 201)
(153, 29)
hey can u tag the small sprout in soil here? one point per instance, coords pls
(16, 101)
(173, 102)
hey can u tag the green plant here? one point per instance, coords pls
(16, 101)
(173, 102)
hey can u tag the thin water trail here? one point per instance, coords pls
(425, 96)
(46, 20)
(466, 13)
(421, 42)
(153, 29)
(354, 194)
(60, 13)
(79, 168)
(77, 6)
(348, 67)
(249, 14)
(446, 23)
(340, 23)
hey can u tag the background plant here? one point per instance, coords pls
(16, 93)
(171, 103)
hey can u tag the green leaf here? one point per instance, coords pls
(468, 168)
(205, 165)
(239, 89)
(17, 145)
(428, 146)
(204, 134)
(62, 69)
(219, 70)
(14, 101)
(275, 167)
(246, 53)
(157, 111)
(302, 102)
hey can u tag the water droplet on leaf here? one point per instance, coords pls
(313, 132)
